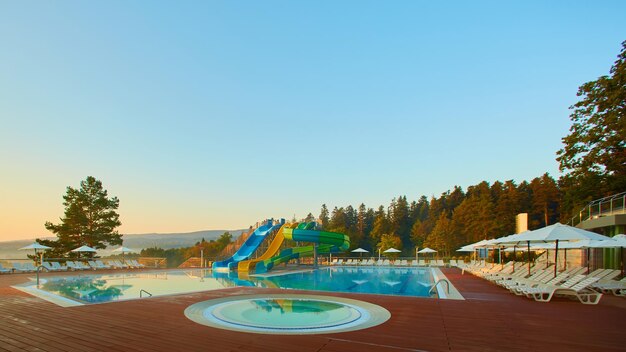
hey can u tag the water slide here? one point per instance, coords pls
(326, 242)
(247, 266)
(248, 247)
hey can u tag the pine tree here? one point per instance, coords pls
(90, 219)
(593, 157)
(379, 227)
(442, 236)
(324, 217)
(545, 201)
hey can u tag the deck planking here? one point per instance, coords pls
(490, 319)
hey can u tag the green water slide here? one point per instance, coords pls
(326, 242)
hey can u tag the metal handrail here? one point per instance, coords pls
(144, 291)
(430, 292)
(39, 267)
(615, 204)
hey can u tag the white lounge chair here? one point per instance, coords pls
(58, 267)
(138, 264)
(617, 288)
(48, 266)
(120, 265)
(93, 265)
(548, 279)
(74, 265)
(4, 270)
(102, 265)
(24, 268)
(579, 290)
(414, 262)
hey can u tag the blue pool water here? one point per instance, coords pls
(100, 288)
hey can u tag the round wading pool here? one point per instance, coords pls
(287, 314)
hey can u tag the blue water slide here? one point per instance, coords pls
(248, 247)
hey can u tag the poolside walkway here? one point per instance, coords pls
(490, 319)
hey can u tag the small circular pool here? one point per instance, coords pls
(287, 314)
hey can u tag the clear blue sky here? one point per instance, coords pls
(208, 115)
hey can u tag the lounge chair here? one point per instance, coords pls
(120, 265)
(58, 267)
(571, 281)
(538, 277)
(4, 270)
(339, 261)
(404, 262)
(422, 262)
(386, 262)
(334, 262)
(93, 265)
(547, 279)
(610, 275)
(102, 265)
(48, 266)
(414, 262)
(24, 268)
(579, 290)
(75, 265)
(617, 288)
(453, 262)
(138, 264)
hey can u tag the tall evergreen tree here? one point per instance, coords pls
(361, 222)
(324, 218)
(593, 157)
(90, 219)
(442, 237)
(545, 201)
(507, 207)
(379, 227)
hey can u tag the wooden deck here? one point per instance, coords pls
(490, 319)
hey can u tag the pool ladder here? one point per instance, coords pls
(434, 287)
(142, 291)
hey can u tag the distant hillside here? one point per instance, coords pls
(9, 249)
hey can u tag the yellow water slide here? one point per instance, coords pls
(248, 265)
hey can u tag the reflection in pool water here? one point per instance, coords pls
(99, 288)
(284, 313)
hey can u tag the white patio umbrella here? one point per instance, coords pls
(468, 248)
(360, 251)
(426, 250)
(390, 250)
(83, 249)
(124, 250)
(554, 233)
(39, 249)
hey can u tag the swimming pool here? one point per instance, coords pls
(102, 288)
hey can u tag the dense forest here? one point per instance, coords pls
(447, 222)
